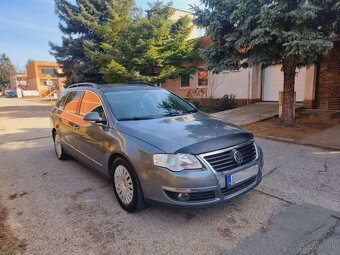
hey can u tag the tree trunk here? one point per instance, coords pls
(289, 67)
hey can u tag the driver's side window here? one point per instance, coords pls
(91, 103)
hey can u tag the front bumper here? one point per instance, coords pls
(205, 187)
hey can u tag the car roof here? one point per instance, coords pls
(113, 87)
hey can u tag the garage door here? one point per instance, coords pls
(273, 83)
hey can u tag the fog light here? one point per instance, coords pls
(183, 196)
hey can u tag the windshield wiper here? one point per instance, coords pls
(136, 118)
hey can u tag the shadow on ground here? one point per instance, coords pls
(25, 111)
(25, 134)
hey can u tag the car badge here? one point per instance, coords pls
(238, 157)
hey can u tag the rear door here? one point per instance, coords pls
(67, 118)
(89, 138)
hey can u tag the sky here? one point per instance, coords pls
(27, 27)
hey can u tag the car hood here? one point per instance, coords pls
(193, 133)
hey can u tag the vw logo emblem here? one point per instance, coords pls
(238, 157)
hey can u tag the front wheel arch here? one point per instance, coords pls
(137, 204)
(112, 158)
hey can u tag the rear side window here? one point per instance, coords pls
(72, 101)
(91, 103)
(61, 102)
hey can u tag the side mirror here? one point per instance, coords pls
(94, 117)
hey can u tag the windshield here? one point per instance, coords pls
(146, 104)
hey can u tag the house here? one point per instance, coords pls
(44, 76)
(19, 80)
(317, 86)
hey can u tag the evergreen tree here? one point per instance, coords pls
(151, 48)
(294, 33)
(6, 70)
(79, 23)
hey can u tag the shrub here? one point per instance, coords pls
(197, 103)
(215, 104)
(227, 102)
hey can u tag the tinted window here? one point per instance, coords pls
(61, 101)
(72, 101)
(148, 103)
(91, 103)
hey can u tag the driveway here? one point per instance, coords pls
(55, 207)
(250, 113)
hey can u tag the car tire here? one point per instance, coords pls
(58, 148)
(126, 186)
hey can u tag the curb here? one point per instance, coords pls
(288, 140)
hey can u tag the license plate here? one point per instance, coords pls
(238, 177)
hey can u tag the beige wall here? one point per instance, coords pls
(174, 85)
(238, 83)
(244, 84)
(310, 82)
(256, 80)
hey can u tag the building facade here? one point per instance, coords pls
(44, 76)
(317, 86)
(19, 81)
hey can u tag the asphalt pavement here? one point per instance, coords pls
(63, 207)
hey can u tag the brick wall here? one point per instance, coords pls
(328, 86)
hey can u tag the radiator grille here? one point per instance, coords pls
(222, 161)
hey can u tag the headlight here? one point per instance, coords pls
(176, 162)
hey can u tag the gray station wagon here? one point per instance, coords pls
(153, 145)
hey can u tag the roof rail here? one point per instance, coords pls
(83, 84)
(140, 82)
